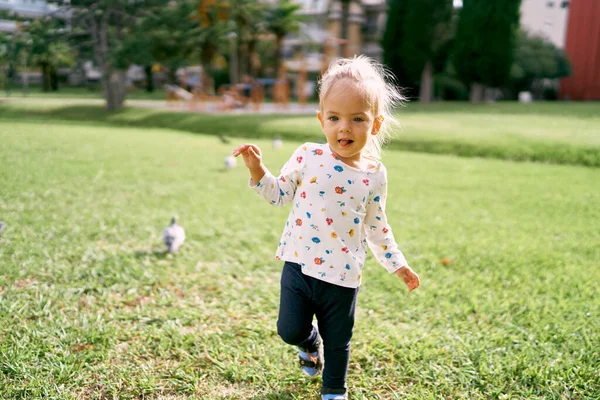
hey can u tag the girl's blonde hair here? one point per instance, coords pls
(376, 84)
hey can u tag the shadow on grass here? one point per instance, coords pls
(156, 254)
(279, 395)
(302, 127)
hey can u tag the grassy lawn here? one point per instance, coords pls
(91, 307)
(559, 133)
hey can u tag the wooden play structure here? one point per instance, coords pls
(281, 89)
(247, 95)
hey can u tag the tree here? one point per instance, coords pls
(485, 42)
(282, 19)
(13, 52)
(536, 60)
(48, 50)
(214, 26)
(393, 35)
(426, 28)
(105, 25)
(166, 34)
(249, 18)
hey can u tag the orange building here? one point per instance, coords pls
(583, 48)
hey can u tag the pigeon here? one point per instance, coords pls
(2, 226)
(223, 139)
(230, 162)
(173, 236)
(277, 143)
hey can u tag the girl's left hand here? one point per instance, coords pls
(409, 277)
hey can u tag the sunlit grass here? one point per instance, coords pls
(91, 307)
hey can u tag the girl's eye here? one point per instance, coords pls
(358, 119)
(334, 118)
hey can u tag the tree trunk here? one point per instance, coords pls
(426, 94)
(45, 76)
(252, 58)
(477, 91)
(149, 79)
(53, 79)
(207, 53)
(243, 58)
(277, 51)
(114, 89)
(172, 75)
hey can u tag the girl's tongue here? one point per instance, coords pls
(344, 142)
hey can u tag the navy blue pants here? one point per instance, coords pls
(303, 297)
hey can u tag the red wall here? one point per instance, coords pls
(583, 48)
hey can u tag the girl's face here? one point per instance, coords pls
(347, 120)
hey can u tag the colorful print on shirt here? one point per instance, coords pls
(334, 217)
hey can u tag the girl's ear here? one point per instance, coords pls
(320, 116)
(377, 125)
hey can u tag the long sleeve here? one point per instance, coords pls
(280, 190)
(379, 233)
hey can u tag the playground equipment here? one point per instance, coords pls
(281, 89)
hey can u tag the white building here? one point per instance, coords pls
(365, 26)
(546, 18)
(27, 9)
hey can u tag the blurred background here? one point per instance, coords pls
(437, 49)
(116, 115)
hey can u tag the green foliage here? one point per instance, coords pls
(426, 28)
(448, 87)
(535, 59)
(393, 35)
(485, 41)
(91, 307)
(416, 32)
(163, 34)
(282, 18)
(48, 49)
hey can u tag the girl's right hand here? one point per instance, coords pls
(252, 155)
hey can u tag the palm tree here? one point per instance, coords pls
(283, 18)
(248, 17)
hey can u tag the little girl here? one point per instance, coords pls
(338, 192)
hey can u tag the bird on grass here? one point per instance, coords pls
(2, 226)
(223, 139)
(173, 236)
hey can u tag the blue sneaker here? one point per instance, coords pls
(311, 363)
(334, 397)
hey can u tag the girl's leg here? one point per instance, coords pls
(336, 321)
(296, 310)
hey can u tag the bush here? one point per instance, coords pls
(449, 88)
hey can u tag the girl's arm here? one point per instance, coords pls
(276, 190)
(381, 238)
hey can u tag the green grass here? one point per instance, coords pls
(559, 133)
(91, 307)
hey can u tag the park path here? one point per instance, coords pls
(205, 108)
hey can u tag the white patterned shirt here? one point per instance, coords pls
(336, 211)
